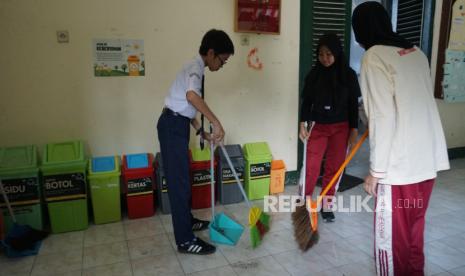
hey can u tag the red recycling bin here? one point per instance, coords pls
(138, 179)
(200, 183)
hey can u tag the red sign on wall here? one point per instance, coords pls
(258, 16)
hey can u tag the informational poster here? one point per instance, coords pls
(118, 57)
(258, 16)
(454, 82)
(457, 26)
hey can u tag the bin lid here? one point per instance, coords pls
(64, 152)
(103, 164)
(200, 155)
(18, 157)
(258, 150)
(278, 165)
(137, 160)
(234, 151)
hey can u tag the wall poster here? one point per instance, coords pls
(257, 16)
(118, 57)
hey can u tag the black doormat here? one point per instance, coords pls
(347, 182)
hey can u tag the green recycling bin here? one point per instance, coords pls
(257, 170)
(104, 183)
(20, 177)
(64, 186)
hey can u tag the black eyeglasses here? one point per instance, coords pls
(223, 62)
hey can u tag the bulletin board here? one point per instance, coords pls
(449, 82)
(449, 68)
(257, 16)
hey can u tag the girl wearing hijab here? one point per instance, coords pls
(330, 101)
(407, 144)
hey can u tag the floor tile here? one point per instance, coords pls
(157, 265)
(120, 269)
(144, 227)
(104, 254)
(219, 271)
(257, 267)
(57, 263)
(298, 263)
(443, 255)
(18, 266)
(55, 243)
(150, 246)
(104, 233)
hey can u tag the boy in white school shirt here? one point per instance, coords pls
(184, 99)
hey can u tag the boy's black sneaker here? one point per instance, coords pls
(327, 216)
(199, 225)
(196, 246)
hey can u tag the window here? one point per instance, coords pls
(413, 20)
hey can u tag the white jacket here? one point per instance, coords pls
(407, 143)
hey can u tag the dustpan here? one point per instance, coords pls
(18, 231)
(223, 229)
(20, 235)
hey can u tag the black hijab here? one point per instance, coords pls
(372, 26)
(328, 85)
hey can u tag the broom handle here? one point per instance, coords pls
(238, 182)
(5, 198)
(304, 165)
(343, 166)
(212, 173)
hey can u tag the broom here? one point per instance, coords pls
(305, 218)
(259, 222)
(301, 216)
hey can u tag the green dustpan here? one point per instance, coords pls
(223, 229)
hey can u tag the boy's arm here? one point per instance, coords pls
(195, 124)
(203, 108)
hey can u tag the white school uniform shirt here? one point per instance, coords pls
(407, 143)
(188, 79)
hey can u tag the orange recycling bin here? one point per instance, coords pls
(278, 176)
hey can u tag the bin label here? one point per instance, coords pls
(201, 177)
(140, 186)
(260, 170)
(21, 191)
(228, 176)
(65, 186)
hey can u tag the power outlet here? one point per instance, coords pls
(62, 36)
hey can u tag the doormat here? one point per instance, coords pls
(347, 182)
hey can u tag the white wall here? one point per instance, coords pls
(48, 92)
(452, 114)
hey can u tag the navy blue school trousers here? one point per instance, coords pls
(173, 135)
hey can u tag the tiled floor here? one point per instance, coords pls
(146, 246)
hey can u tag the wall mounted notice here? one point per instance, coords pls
(454, 82)
(118, 57)
(457, 26)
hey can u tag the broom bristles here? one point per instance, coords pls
(304, 235)
(262, 225)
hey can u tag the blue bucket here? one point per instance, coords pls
(224, 230)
